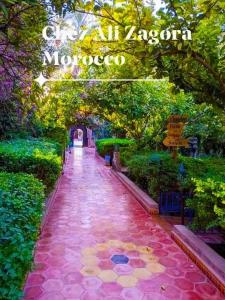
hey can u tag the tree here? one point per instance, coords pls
(20, 52)
(196, 66)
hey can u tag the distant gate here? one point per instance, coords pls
(84, 129)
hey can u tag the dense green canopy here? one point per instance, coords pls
(192, 72)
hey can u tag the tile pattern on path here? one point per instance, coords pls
(99, 244)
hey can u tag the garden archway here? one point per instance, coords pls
(84, 129)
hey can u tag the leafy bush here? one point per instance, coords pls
(139, 169)
(58, 135)
(204, 178)
(154, 172)
(106, 146)
(127, 152)
(21, 206)
(33, 156)
(202, 168)
(209, 203)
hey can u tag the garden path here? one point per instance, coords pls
(99, 243)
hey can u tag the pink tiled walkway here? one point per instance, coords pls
(99, 243)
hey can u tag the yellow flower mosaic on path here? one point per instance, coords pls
(121, 262)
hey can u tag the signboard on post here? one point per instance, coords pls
(175, 142)
(178, 119)
(175, 129)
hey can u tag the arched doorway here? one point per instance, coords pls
(79, 132)
(78, 138)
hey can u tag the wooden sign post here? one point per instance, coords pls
(174, 137)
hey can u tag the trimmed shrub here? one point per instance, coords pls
(138, 169)
(106, 146)
(21, 206)
(58, 135)
(127, 152)
(33, 156)
(203, 178)
(154, 172)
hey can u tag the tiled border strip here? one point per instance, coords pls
(202, 255)
(148, 203)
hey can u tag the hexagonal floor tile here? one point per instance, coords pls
(137, 263)
(90, 271)
(33, 292)
(142, 273)
(155, 267)
(51, 285)
(127, 280)
(52, 296)
(107, 276)
(119, 259)
(91, 283)
(73, 291)
(89, 260)
(123, 269)
(132, 294)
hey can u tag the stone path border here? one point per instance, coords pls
(212, 264)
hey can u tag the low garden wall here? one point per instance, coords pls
(207, 259)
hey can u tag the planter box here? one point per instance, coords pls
(203, 256)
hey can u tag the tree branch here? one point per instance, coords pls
(197, 57)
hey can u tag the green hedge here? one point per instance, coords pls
(59, 136)
(204, 178)
(157, 172)
(21, 206)
(154, 172)
(33, 156)
(106, 146)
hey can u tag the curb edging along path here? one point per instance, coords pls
(148, 203)
(51, 197)
(212, 264)
(201, 254)
(50, 200)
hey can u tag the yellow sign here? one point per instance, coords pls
(178, 119)
(175, 129)
(175, 142)
(179, 125)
